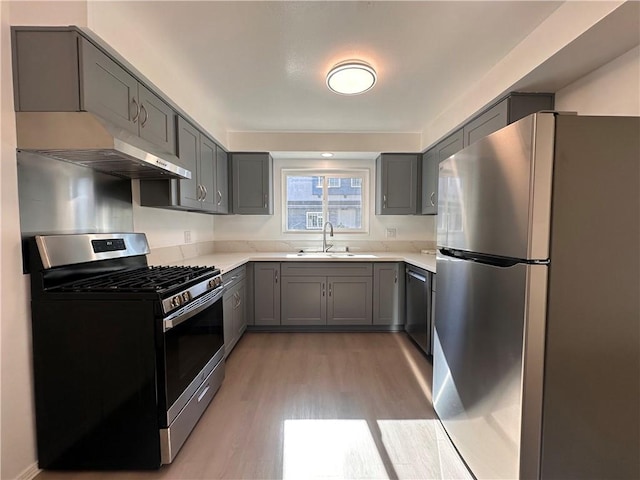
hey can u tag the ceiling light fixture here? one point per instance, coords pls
(326, 154)
(351, 77)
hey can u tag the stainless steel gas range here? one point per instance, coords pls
(126, 356)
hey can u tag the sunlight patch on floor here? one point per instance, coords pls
(417, 373)
(421, 449)
(330, 449)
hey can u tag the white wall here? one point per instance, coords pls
(18, 428)
(613, 89)
(261, 227)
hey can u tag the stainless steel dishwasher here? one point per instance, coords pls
(418, 298)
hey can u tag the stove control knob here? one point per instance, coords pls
(186, 296)
(176, 301)
(217, 281)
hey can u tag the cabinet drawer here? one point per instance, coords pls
(335, 269)
(234, 276)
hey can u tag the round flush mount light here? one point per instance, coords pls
(351, 77)
(326, 154)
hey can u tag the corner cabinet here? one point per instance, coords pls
(206, 191)
(252, 183)
(396, 184)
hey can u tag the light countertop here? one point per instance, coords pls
(228, 261)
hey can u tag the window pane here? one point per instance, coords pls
(345, 205)
(304, 202)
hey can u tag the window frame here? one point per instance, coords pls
(322, 173)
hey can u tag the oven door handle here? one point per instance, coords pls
(192, 309)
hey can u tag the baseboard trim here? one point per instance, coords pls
(324, 328)
(30, 472)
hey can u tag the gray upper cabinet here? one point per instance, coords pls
(430, 182)
(59, 70)
(509, 109)
(252, 183)
(222, 181)
(388, 294)
(506, 111)
(266, 288)
(396, 184)
(203, 192)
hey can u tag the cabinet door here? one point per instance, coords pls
(252, 178)
(349, 301)
(266, 278)
(228, 304)
(490, 121)
(240, 311)
(206, 174)
(430, 183)
(388, 294)
(188, 147)
(157, 121)
(304, 300)
(222, 181)
(107, 89)
(450, 145)
(397, 184)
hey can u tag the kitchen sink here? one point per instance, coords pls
(329, 255)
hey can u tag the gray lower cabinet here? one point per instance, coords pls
(234, 310)
(252, 183)
(266, 296)
(388, 294)
(396, 184)
(326, 293)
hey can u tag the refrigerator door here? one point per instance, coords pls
(487, 398)
(494, 196)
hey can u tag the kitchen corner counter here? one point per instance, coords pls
(228, 261)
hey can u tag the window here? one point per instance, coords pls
(313, 197)
(314, 221)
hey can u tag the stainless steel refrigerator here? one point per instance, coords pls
(536, 363)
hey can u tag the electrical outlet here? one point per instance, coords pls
(187, 236)
(391, 233)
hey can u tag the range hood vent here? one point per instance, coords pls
(86, 139)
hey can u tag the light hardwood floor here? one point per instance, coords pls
(314, 405)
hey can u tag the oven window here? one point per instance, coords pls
(188, 348)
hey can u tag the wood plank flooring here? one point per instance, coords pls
(314, 405)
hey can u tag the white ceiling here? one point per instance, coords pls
(262, 65)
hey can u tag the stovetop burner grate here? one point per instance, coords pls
(146, 279)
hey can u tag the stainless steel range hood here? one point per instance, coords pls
(86, 139)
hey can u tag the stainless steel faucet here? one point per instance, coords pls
(325, 247)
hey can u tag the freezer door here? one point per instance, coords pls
(494, 196)
(486, 318)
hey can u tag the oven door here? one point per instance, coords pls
(193, 346)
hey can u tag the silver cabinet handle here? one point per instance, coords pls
(330, 289)
(323, 289)
(146, 115)
(276, 273)
(384, 201)
(204, 189)
(136, 115)
(433, 203)
(395, 278)
(265, 200)
(219, 197)
(199, 192)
